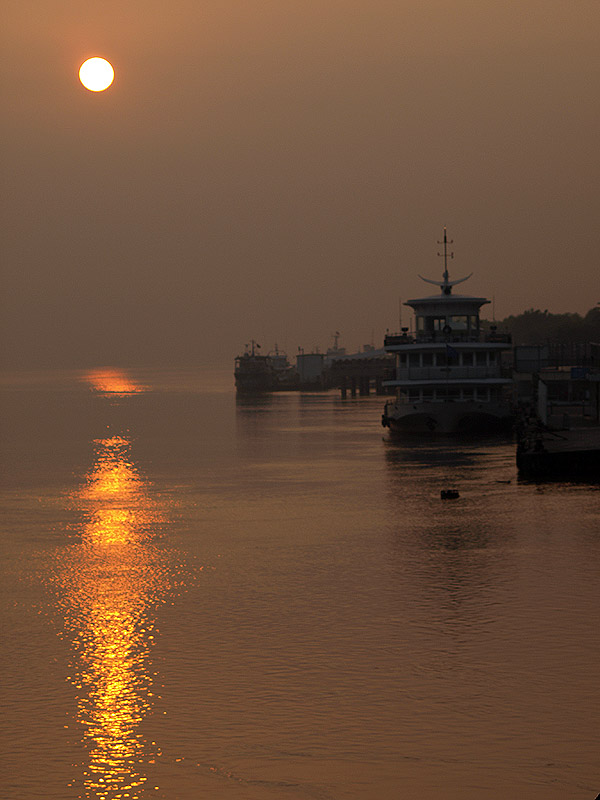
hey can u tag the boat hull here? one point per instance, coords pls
(447, 418)
(253, 385)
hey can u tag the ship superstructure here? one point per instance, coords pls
(449, 376)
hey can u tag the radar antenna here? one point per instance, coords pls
(446, 285)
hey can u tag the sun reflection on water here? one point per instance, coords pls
(111, 380)
(111, 583)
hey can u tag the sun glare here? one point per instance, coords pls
(108, 380)
(96, 74)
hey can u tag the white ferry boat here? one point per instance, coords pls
(449, 376)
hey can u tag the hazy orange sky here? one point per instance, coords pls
(283, 169)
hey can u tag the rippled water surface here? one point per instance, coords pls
(211, 598)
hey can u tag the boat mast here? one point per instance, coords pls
(446, 284)
(446, 288)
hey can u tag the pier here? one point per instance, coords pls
(545, 453)
(361, 373)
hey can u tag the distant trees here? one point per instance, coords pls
(538, 327)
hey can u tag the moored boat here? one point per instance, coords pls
(449, 377)
(253, 372)
(285, 376)
(256, 373)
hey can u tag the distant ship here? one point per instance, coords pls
(255, 373)
(336, 351)
(448, 377)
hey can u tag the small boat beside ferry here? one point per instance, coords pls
(449, 374)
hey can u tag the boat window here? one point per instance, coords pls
(474, 322)
(467, 359)
(459, 322)
(420, 323)
(493, 359)
(481, 359)
(428, 394)
(413, 360)
(434, 324)
(427, 359)
(413, 395)
(403, 358)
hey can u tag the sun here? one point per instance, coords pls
(96, 74)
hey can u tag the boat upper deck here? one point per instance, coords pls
(396, 341)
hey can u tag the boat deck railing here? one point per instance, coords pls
(450, 373)
(439, 337)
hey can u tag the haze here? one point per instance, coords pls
(281, 170)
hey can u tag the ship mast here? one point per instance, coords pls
(446, 284)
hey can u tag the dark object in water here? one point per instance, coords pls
(449, 494)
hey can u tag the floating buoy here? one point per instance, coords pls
(449, 494)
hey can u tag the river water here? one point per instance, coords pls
(207, 597)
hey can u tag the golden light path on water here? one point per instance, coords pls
(110, 380)
(111, 582)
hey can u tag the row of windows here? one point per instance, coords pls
(458, 358)
(484, 394)
(456, 322)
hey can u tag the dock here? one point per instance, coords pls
(542, 453)
(360, 372)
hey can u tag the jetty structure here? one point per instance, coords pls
(570, 453)
(449, 374)
(558, 425)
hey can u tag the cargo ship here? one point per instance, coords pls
(256, 373)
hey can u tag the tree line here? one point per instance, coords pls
(538, 327)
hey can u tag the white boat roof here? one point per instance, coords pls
(448, 298)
